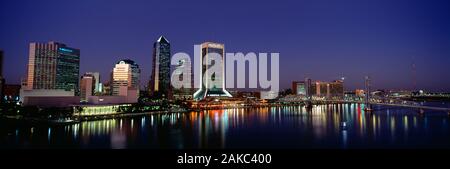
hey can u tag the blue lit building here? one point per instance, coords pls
(53, 66)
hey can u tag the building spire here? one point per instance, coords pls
(162, 39)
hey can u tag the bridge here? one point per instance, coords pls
(414, 106)
(444, 109)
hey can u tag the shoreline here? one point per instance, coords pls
(74, 119)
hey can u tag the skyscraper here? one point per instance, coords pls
(53, 65)
(160, 78)
(215, 84)
(125, 75)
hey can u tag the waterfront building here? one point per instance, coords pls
(125, 73)
(53, 65)
(96, 110)
(318, 89)
(159, 84)
(299, 88)
(87, 86)
(328, 90)
(53, 99)
(125, 80)
(53, 71)
(215, 84)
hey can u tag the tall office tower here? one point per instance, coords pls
(184, 93)
(53, 65)
(97, 82)
(2, 80)
(125, 76)
(160, 78)
(215, 84)
(308, 88)
(87, 86)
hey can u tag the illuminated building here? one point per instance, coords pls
(52, 75)
(215, 84)
(53, 66)
(329, 90)
(299, 88)
(160, 78)
(95, 110)
(126, 74)
(303, 88)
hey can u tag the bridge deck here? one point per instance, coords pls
(402, 105)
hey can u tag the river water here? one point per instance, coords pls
(290, 127)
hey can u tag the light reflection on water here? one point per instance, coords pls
(275, 127)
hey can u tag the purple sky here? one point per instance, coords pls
(322, 39)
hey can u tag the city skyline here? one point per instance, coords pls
(325, 42)
(233, 84)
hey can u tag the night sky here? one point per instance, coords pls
(321, 39)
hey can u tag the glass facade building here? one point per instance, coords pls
(67, 68)
(53, 65)
(160, 78)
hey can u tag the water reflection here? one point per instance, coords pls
(323, 126)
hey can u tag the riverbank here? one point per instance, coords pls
(78, 119)
(123, 115)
